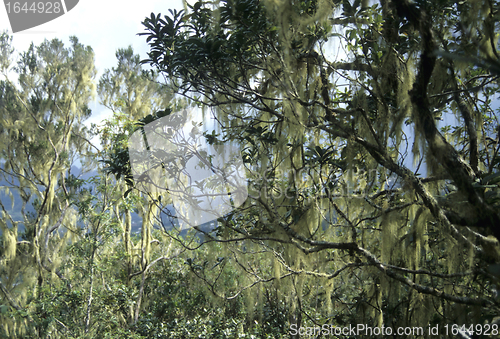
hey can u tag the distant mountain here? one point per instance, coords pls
(14, 209)
(13, 206)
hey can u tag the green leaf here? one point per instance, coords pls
(127, 192)
(492, 178)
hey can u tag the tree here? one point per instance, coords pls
(84, 271)
(132, 94)
(330, 103)
(42, 135)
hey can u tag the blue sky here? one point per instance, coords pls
(105, 25)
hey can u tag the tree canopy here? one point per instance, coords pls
(369, 138)
(41, 136)
(354, 179)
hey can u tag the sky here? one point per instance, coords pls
(104, 25)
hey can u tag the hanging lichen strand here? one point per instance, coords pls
(284, 149)
(38, 117)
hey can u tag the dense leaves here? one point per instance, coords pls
(369, 135)
(337, 109)
(42, 133)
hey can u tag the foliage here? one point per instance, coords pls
(41, 133)
(369, 133)
(336, 106)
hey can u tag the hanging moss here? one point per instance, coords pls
(9, 243)
(250, 305)
(388, 238)
(277, 273)
(328, 286)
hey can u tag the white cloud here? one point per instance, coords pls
(104, 25)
